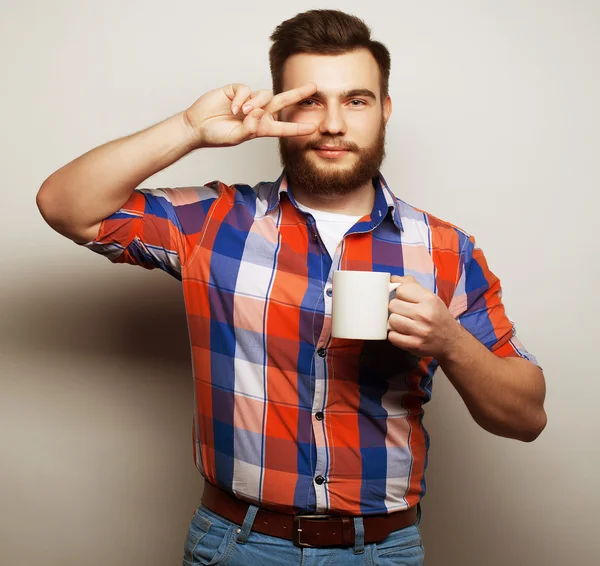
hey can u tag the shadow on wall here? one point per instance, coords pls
(130, 313)
(486, 498)
(95, 426)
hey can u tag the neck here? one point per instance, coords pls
(356, 203)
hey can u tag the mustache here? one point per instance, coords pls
(337, 144)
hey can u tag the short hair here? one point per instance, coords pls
(324, 32)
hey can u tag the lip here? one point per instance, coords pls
(331, 152)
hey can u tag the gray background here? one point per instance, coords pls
(495, 128)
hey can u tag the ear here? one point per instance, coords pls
(387, 108)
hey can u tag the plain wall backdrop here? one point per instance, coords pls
(496, 128)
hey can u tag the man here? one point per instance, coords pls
(312, 447)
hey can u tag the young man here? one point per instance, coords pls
(312, 447)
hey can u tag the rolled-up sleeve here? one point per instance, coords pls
(154, 228)
(477, 305)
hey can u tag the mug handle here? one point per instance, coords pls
(393, 287)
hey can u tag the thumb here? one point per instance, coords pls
(404, 279)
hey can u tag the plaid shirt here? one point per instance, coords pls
(285, 416)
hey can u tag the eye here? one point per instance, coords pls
(308, 103)
(357, 102)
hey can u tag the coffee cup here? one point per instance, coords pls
(360, 308)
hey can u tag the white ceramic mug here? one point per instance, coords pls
(360, 304)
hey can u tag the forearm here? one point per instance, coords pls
(74, 199)
(504, 395)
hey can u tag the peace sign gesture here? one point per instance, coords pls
(234, 114)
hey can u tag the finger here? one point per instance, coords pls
(258, 99)
(240, 95)
(274, 129)
(404, 342)
(403, 325)
(403, 308)
(252, 121)
(289, 97)
(404, 279)
(411, 292)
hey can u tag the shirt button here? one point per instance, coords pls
(319, 480)
(319, 416)
(322, 352)
(329, 292)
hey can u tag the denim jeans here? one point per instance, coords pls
(212, 540)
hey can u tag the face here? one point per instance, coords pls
(347, 149)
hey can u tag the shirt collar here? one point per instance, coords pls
(385, 200)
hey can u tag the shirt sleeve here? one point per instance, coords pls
(477, 305)
(155, 228)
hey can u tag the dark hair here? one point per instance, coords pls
(324, 32)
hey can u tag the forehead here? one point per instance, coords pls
(333, 73)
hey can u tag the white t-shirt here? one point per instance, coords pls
(331, 226)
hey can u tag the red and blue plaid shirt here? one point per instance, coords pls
(285, 416)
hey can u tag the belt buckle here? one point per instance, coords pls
(297, 537)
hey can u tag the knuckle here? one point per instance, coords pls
(243, 91)
(262, 99)
(261, 128)
(283, 98)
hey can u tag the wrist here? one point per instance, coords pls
(454, 344)
(191, 137)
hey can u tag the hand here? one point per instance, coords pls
(421, 323)
(233, 114)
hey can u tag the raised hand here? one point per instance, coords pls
(234, 114)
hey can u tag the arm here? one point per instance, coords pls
(75, 199)
(505, 396)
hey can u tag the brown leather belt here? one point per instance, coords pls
(306, 530)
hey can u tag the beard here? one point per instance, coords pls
(331, 179)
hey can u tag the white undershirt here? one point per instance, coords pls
(331, 226)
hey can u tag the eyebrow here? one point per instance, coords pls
(355, 92)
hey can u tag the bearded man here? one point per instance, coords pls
(312, 447)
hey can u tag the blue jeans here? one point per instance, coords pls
(215, 541)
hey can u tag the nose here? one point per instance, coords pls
(333, 122)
